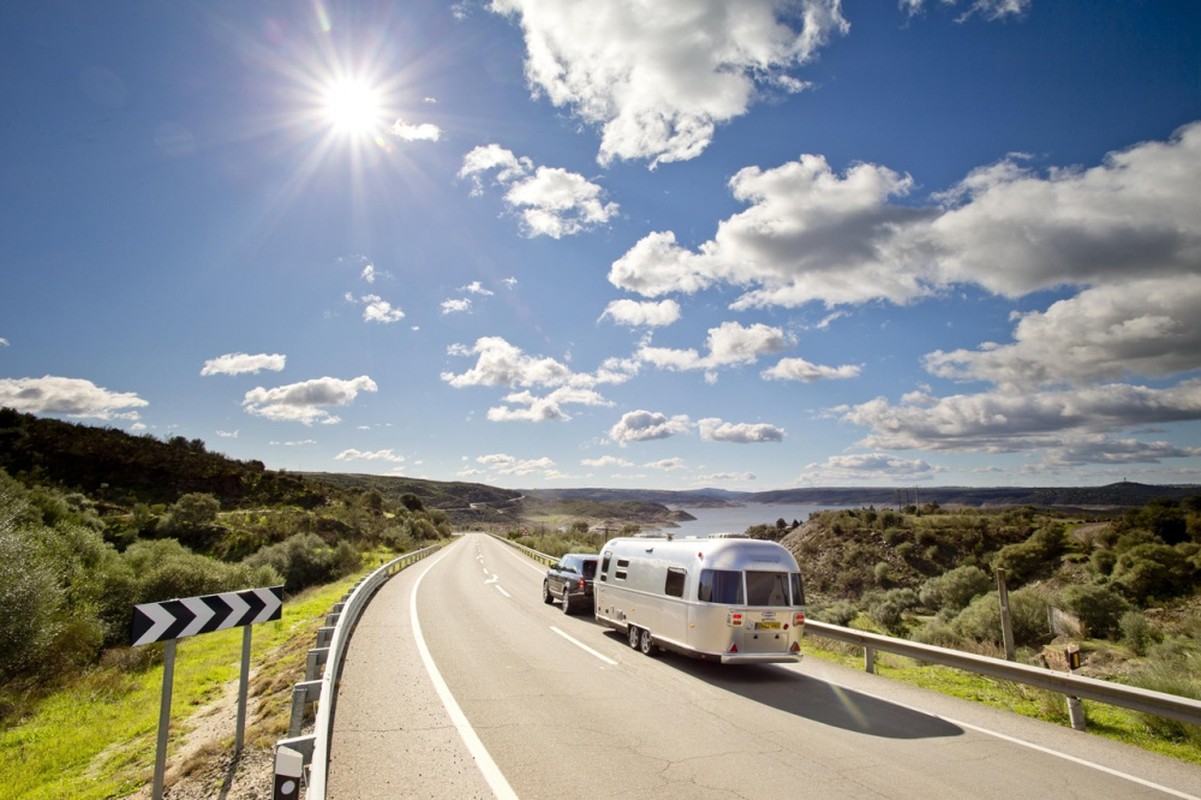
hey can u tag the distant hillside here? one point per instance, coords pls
(1114, 495)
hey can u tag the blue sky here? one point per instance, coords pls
(551, 243)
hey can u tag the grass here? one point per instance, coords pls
(1111, 722)
(96, 738)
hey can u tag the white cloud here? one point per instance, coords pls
(420, 132)
(456, 305)
(228, 434)
(673, 464)
(659, 77)
(729, 344)
(239, 363)
(869, 467)
(606, 461)
(642, 426)
(502, 464)
(633, 313)
(548, 200)
(352, 454)
(798, 369)
(368, 273)
(70, 397)
(377, 309)
(1009, 421)
(3, 342)
(475, 287)
(504, 364)
(304, 402)
(716, 430)
(532, 408)
(990, 9)
(1140, 327)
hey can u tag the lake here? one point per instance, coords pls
(736, 519)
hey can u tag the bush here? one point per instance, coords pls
(1098, 607)
(1138, 633)
(165, 569)
(1153, 571)
(952, 591)
(981, 620)
(1173, 670)
(306, 560)
(840, 612)
(27, 584)
(1036, 556)
(887, 609)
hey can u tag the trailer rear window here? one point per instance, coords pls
(798, 590)
(720, 586)
(767, 588)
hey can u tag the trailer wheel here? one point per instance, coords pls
(566, 601)
(633, 634)
(648, 647)
(546, 595)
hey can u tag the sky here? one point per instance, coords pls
(744, 244)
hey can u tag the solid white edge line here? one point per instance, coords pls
(483, 759)
(1031, 746)
(584, 647)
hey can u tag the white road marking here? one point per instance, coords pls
(585, 647)
(483, 759)
(500, 589)
(1031, 746)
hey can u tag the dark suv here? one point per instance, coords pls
(570, 581)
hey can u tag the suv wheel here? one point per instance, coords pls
(566, 600)
(546, 595)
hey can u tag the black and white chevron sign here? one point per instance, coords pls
(175, 619)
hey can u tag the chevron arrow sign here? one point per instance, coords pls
(175, 619)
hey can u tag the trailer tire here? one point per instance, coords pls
(546, 595)
(646, 645)
(632, 635)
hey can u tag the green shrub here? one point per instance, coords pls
(981, 620)
(840, 612)
(888, 609)
(1038, 555)
(306, 560)
(1098, 607)
(1138, 633)
(27, 584)
(952, 591)
(1173, 670)
(1153, 571)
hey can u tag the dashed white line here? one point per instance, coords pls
(584, 647)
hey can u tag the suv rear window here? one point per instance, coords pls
(589, 568)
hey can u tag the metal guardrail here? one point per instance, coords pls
(332, 641)
(1159, 704)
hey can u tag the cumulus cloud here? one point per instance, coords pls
(549, 201)
(503, 464)
(352, 454)
(729, 344)
(869, 467)
(798, 369)
(658, 78)
(1005, 421)
(500, 363)
(527, 407)
(643, 426)
(377, 309)
(606, 461)
(69, 397)
(989, 9)
(239, 363)
(456, 305)
(716, 430)
(305, 402)
(416, 132)
(633, 313)
(668, 464)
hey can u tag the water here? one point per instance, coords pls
(736, 519)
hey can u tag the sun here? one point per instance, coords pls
(353, 107)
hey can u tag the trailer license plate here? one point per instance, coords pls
(767, 626)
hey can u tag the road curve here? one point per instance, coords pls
(546, 705)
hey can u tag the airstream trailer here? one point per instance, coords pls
(725, 597)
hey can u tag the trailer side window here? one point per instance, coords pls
(720, 586)
(622, 565)
(767, 588)
(798, 590)
(674, 586)
(604, 576)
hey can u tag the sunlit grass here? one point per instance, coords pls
(97, 737)
(1111, 722)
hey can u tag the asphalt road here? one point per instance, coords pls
(459, 682)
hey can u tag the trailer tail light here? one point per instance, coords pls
(734, 619)
(799, 620)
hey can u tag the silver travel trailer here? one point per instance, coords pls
(726, 597)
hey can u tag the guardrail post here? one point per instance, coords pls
(1075, 707)
(324, 635)
(869, 659)
(314, 662)
(302, 694)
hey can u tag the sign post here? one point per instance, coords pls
(170, 620)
